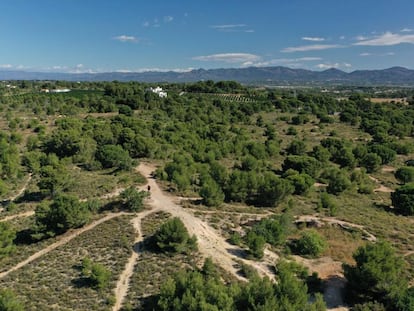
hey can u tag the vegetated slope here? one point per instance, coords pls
(229, 147)
(266, 75)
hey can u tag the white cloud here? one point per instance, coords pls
(155, 23)
(291, 62)
(229, 58)
(232, 28)
(386, 39)
(125, 38)
(361, 38)
(328, 66)
(383, 54)
(228, 26)
(325, 66)
(315, 39)
(315, 47)
(58, 68)
(154, 69)
(168, 19)
(308, 59)
(6, 66)
(342, 37)
(406, 30)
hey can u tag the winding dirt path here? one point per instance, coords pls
(381, 187)
(63, 240)
(24, 214)
(23, 189)
(19, 193)
(122, 285)
(330, 220)
(210, 242)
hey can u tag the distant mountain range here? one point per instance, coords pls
(251, 75)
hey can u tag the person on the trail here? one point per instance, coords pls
(149, 188)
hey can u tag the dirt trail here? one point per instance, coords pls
(409, 253)
(381, 188)
(63, 240)
(23, 189)
(19, 193)
(24, 214)
(122, 285)
(330, 220)
(210, 242)
(388, 169)
(115, 193)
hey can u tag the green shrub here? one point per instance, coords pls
(96, 274)
(173, 237)
(311, 243)
(134, 199)
(7, 236)
(403, 199)
(405, 174)
(9, 302)
(379, 274)
(256, 244)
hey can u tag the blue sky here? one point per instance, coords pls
(133, 35)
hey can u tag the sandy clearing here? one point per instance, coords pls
(388, 169)
(331, 273)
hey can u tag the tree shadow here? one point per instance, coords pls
(334, 291)
(240, 253)
(24, 237)
(112, 206)
(81, 282)
(148, 303)
(27, 197)
(385, 208)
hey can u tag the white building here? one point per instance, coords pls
(158, 90)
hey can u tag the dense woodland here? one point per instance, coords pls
(290, 152)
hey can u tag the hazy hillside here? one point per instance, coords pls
(251, 75)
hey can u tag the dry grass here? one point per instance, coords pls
(23, 250)
(87, 185)
(378, 100)
(152, 268)
(341, 244)
(53, 282)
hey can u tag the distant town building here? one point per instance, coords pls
(60, 91)
(55, 90)
(159, 91)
